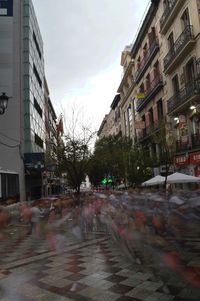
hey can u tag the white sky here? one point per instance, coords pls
(83, 41)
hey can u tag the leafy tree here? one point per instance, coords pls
(140, 166)
(166, 139)
(110, 159)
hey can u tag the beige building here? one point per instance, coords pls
(180, 32)
(141, 88)
(126, 92)
(161, 82)
(111, 124)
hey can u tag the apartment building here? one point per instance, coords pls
(22, 126)
(126, 90)
(51, 144)
(111, 124)
(148, 91)
(180, 32)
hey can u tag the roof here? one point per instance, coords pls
(52, 108)
(145, 26)
(102, 125)
(115, 101)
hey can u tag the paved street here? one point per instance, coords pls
(92, 270)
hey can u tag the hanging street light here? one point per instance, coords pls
(3, 103)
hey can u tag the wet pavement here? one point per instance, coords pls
(65, 268)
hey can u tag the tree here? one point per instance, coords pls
(139, 167)
(166, 139)
(110, 159)
(76, 151)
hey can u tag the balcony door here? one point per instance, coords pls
(171, 41)
(175, 84)
(185, 18)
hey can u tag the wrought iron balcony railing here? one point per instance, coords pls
(180, 43)
(181, 147)
(190, 90)
(154, 47)
(195, 140)
(167, 12)
(153, 89)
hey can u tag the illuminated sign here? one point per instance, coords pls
(6, 8)
(106, 181)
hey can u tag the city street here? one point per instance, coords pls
(94, 269)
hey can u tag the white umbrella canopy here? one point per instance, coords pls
(157, 180)
(181, 178)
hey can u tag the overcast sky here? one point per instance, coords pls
(83, 41)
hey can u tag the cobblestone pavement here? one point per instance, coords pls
(94, 269)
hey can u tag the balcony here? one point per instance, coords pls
(169, 15)
(151, 52)
(183, 45)
(155, 86)
(195, 140)
(181, 147)
(189, 93)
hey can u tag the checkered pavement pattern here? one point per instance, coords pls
(94, 269)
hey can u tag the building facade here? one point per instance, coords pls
(111, 124)
(11, 82)
(22, 77)
(180, 31)
(125, 89)
(161, 84)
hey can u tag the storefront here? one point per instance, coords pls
(188, 163)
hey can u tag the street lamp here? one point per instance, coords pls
(3, 103)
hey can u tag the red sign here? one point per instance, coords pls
(194, 157)
(197, 171)
(181, 160)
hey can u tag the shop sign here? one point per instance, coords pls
(197, 171)
(6, 8)
(181, 160)
(194, 157)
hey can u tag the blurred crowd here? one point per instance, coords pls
(157, 231)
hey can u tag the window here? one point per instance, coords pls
(160, 110)
(167, 3)
(171, 40)
(38, 141)
(175, 84)
(125, 124)
(151, 117)
(6, 8)
(189, 71)
(37, 45)
(37, 75)
(141, 88)
(185, 18)
(130, 118)
(138, 62)
(148, 82)
(37, 107)
(145, 50)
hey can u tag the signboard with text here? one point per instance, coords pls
(181, 160)
(6, 8)
(194, 157)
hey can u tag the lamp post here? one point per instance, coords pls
(3, 103)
